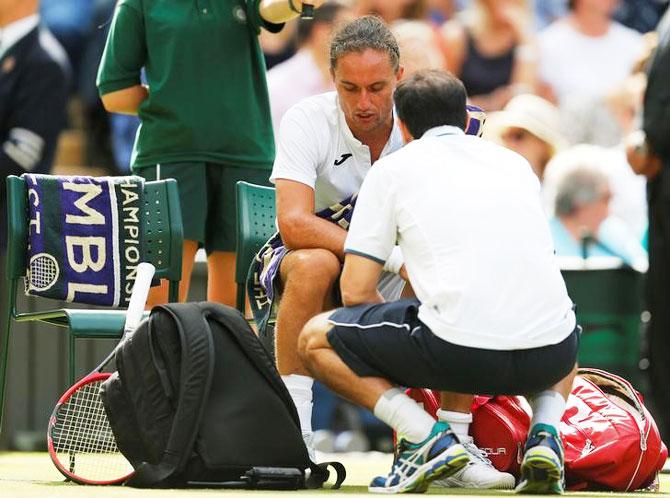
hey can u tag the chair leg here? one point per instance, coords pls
(6, 326)
(72, 363)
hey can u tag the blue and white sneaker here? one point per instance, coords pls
(542, 466)
(416, 465)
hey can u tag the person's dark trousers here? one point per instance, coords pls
(658, 296)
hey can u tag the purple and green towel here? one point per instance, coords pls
(85, 237)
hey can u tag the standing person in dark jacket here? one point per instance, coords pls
(651, 158)
(34, 84)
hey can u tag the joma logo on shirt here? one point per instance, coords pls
(342, 158)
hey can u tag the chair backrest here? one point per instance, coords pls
(163, 233)
(609, 307)
(255, 224)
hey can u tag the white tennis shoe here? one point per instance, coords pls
(479, 473)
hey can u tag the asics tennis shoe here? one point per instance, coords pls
(542, 466)
(479, 473)
(416, 465)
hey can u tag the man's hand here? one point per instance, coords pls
(280, 11)
(641, 159)
(403, 273)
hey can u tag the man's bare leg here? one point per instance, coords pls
(159, 295)
(542, 466)
(376, 394)
(432, 444)
(308, 276)
(221, 287)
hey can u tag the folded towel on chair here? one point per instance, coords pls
(84, 237)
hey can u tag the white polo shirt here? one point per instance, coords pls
(316, 147)
(468, 217)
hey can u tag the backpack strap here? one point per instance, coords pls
(320, 474)
(197, 367)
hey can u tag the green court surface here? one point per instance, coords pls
(31, 475)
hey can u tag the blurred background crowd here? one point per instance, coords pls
(551, 75)
(562, 83)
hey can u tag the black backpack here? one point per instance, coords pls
(197, 400)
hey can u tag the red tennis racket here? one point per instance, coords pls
(80, 440)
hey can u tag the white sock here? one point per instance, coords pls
(548, 407)
(404, 415)
(459, 422)
(300, 389)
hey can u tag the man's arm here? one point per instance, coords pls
(126, 100)
(359, 280)
(124, 56)
(300, 228)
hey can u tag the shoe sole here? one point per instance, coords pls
(541, 473)
(444, 465)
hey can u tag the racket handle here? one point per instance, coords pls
(138, 298)
(307, 11)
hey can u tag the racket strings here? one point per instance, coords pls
(83, 439)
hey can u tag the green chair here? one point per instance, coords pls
(609, 307)
(163, 244)
(255, 225)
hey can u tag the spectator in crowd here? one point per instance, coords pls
(606, 120)
(582, 226)
(205, 115)
(481, 306)
(34, 84)
(586, 54)
(529, 125)
(307, 73)
(491, 48)
(628, 202)
(395, 10)
(419, 45)
(650, 157)
(327, 145)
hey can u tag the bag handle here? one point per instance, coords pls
(197, 368)
(620, 387)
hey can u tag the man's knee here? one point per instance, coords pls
(313, 337)
(310, 268)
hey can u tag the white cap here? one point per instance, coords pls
(533, 114)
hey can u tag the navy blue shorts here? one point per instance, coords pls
(388, 340)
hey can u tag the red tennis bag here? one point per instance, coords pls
(611, 441)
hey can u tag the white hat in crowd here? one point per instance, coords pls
(531, 113)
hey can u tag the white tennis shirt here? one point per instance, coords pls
(316, 147)
(468, 217)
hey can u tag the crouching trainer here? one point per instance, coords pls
(492, 313)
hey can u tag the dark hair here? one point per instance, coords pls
(368, 32)
(325, 14)
(430, 98)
